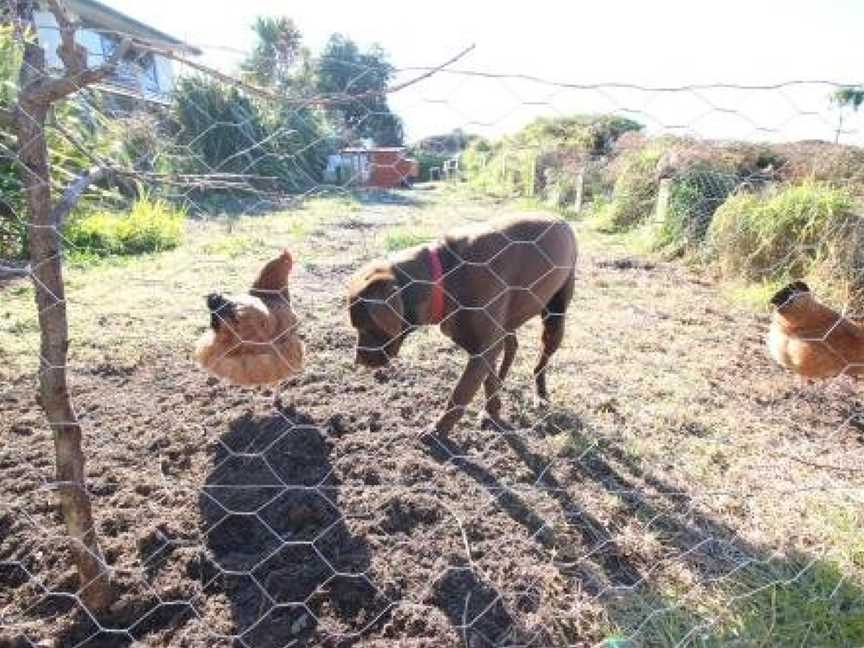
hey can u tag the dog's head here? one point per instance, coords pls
(789, 293)
(377, 312)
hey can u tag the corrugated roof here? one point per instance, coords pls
(374, 149)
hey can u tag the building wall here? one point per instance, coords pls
(389, 169)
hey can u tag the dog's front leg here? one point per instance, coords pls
(475, 372)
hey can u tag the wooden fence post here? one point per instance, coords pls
(661, 208)
(580, 186)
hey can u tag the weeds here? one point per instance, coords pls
(405, 237)
(150, 226)
(809, 230)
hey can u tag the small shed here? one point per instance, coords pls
(381, 167)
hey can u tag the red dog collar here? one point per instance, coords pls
(436, 307)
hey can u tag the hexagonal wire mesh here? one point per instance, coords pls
(671, 486)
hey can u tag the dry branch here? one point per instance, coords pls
(7, 119)
(73, 194)
(320, 100)
(45, 89)
(13, 269)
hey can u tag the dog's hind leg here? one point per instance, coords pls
(553, 333)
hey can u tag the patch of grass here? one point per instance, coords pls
(233, 246)
(810, 230)
(405, 237)
(754, 295)
(798, 603)
(635, 192)
(150, 226)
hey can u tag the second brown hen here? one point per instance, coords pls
(811, 339)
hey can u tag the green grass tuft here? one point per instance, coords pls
(405, 237)
(150, 226)
(809, 231)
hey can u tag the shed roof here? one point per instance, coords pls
(375, 149)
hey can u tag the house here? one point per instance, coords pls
(142, 76)
(381, 167)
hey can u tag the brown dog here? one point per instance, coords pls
(480, 286)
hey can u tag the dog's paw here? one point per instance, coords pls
(540, 402)
(496, 423)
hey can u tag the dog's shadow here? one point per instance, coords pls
(278, 544)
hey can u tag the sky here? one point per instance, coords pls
(661, 43)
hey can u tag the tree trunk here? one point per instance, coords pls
(45, 255)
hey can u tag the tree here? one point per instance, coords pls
(344, 70)
(849, 97)
(277, 52)
(37, 93)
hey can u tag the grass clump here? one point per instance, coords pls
(807, 230)
(150, 226)
(635, 192)
(405, 237)
(694, 197)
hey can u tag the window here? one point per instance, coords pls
(136, 72)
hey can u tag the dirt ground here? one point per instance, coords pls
(680, 490)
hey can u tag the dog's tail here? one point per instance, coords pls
(561, 299)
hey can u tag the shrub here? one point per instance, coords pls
(150, 226)
(218, 129)
(694, 197)
(635, 192)
(808, 230)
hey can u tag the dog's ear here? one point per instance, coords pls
(375, 296)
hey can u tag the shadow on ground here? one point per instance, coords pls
(278, 544)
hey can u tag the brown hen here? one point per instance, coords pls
(811, 339)
(253, 338)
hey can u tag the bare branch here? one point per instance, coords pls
(45, 89)
(73, 55)
(7, 119)
(73, 194)
(9, 269)
(320, 100)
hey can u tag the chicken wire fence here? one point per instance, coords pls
(677, 488)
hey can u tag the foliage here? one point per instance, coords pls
(850, 96)
(405, 237)
(12, 232)
(277, 51)
(218, 129)
(807, 230)
(694, 196)
(151, 225)
(544, 158)
(589, 134)
(635, 192)
(344, 70)
(434, 151)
